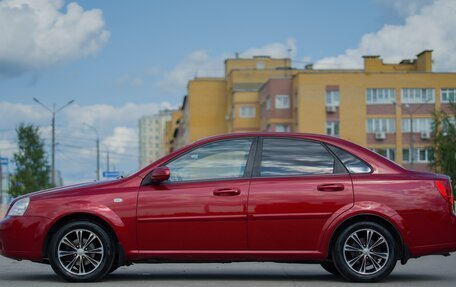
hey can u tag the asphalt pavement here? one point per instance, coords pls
(426, 271)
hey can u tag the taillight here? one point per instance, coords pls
(446, 190)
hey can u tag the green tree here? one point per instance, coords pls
(444, 142)
(32, 169)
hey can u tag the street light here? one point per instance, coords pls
(98, 148)
(53, 111)
(406, 108)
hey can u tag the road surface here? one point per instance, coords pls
(426, 271)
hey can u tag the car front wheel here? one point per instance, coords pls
(365, 252)
(81, 251)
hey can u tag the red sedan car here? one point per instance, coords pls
(242, 197)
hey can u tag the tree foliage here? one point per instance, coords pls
(32, 169)
(444, 142)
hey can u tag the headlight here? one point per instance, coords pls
(19, 207)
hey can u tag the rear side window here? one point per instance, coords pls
(289, 157)
(351, 162)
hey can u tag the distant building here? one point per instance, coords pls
(151, 137)
(5, 184)
(369, 106)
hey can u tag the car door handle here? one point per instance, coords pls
(227, 192)
(331, 187)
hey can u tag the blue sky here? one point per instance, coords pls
(122, 59)
(159, 34)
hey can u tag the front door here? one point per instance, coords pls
(297, 185)
(203, 206)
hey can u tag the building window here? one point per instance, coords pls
(389, 153)
(268, 103)
(419, 125)
(247, 112)
(417, 96)
(381, 125)
(282, 128)
(282, 102)
(332, 128)
(380, 96)
(332, 98)
(448, 95)
(420, 155)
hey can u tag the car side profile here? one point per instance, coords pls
(281, 197)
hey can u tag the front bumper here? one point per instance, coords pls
(21, 237)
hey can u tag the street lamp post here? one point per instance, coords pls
(410, 113)
(53, 111)
(98, 148)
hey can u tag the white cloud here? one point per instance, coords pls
(120, 141)
(117, 127)
(432, 27)
(405, 8)
(200, 63)
(274, 50)
(37, 34)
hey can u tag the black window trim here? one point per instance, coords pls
(371, 169)
(338, 165)
(247, 172)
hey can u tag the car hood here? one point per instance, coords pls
(63, 189)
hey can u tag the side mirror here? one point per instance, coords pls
(160, 174)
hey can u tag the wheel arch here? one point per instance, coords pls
(388, 224)
(75, 217)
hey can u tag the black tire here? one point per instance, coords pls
(114, 267)
(364, 268)
(330, 267)
(103, 253)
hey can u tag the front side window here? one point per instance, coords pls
(291, 157)
(218, 160)
(282, 102)
(247, 112)
(351, 162)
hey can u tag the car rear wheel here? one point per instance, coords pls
(81, 251)
(330, 267)
(365, 252)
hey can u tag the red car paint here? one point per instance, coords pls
(270, 218)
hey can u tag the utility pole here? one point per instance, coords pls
(98, 148)
(1, 182)
(107, 161)
(53, 111)
(407, 109)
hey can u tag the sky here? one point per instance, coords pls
(120, 60)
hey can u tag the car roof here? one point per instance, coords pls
(378, 163)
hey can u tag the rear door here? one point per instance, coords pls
(296, 186)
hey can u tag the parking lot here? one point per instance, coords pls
(428, 271)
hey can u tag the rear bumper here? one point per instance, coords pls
(446, 242)
(22, 237)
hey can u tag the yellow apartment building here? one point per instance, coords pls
(370, 106)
